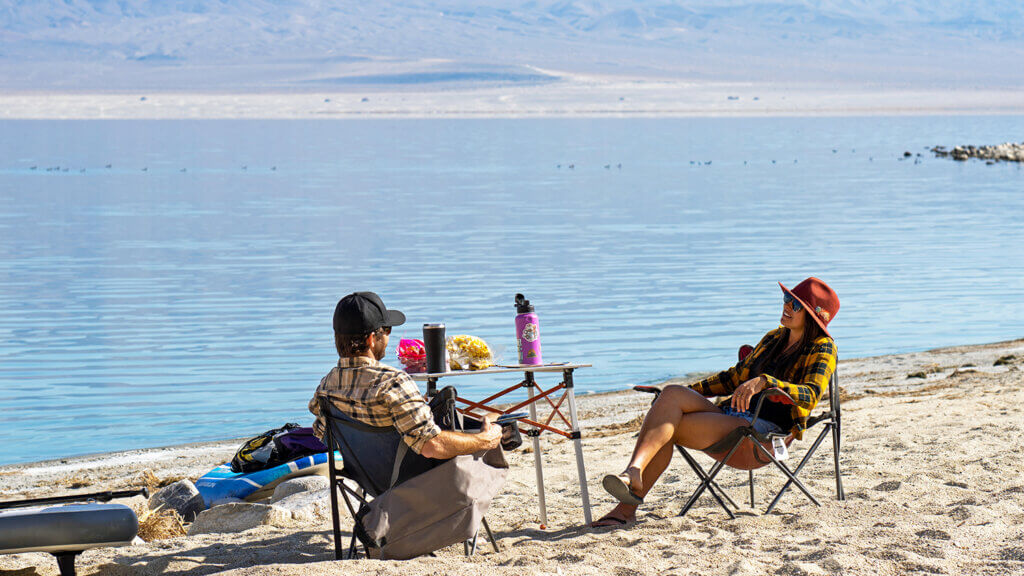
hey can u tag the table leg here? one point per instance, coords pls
(537, 461)
(578, 443)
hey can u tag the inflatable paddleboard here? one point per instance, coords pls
(221, 482)
(66, 529)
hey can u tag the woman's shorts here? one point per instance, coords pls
(762, 426)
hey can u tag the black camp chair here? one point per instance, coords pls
(746, 449)
(375, 459)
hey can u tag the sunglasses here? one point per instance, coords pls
(386, 329)
(787, 299)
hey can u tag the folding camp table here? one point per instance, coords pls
(534, 394)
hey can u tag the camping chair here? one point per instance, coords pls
(375, 459)
(746, 449)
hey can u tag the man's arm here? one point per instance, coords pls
(314, 408)
(449, 443)
(415, 423)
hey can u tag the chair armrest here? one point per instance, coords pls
(778, 395)
(649, 389)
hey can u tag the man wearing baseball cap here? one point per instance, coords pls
(380, 395)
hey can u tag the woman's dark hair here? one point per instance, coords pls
(776, 362)
(354, 344)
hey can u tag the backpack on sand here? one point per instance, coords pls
(275, 447)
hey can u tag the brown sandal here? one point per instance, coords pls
(618, 486)
(609, 521)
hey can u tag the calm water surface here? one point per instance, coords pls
(173, 281)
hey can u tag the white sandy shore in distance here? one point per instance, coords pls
(931, 466)
(571, 96)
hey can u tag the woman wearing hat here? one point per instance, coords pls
(798, 358)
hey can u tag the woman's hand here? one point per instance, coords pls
(741, 397)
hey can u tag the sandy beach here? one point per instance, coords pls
(573, 95)
(931, 465)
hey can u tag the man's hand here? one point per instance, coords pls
(741, 397)
(449, 443)
(490, 432)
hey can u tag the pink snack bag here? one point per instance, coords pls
(413, 355)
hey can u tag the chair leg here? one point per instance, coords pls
(713, 487)
(789, 473)
(709, 480)
(803, 461)
(352, 547)
(490, 535)
(840, 493)
(335, 519)
(751, 473)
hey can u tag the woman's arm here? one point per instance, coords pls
(726, 382)
(821, 363)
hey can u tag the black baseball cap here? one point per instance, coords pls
(362, 313)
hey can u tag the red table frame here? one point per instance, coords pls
(536, 426)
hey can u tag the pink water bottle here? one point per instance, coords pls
(527, 332)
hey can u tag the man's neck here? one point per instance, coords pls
(365, 357)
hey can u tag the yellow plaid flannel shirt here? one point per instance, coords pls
(378, 395)
(806, 381)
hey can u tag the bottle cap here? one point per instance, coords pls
(523, 305)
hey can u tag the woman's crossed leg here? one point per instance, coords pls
(679, 416)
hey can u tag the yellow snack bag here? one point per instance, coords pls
(468, 353)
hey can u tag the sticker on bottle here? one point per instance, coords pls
(530, 332)
(779, 446)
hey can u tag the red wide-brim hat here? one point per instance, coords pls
(820, 301)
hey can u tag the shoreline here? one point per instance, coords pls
(869, 375)
(933, 486)
(577, 96)
(859, 368)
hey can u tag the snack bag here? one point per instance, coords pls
(468, 353)
(413, 355)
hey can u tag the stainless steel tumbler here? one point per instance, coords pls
(433, 342)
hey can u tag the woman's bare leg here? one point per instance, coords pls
(666, 415)
(679, 416)
(654, 469)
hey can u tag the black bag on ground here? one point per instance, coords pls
(275, 447)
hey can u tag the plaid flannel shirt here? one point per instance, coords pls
(377, 395)
(806, 381)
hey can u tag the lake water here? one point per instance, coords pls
(173, 281)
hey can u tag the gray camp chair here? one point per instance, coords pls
(375, 459)
(746, 449)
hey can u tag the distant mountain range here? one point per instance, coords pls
(314, 44)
